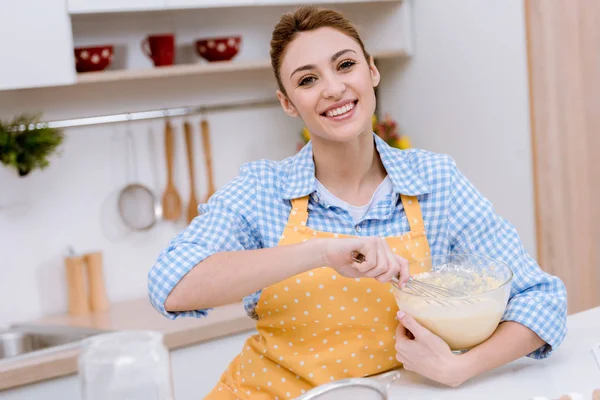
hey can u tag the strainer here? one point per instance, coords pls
(138, 207)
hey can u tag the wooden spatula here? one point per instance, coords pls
(171, 201)
(192, 210)
(208, 159)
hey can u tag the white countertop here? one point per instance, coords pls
(572, 368)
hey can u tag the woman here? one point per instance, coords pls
(271, 231)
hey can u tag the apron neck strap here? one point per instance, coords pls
(299, 213)
(413, 213)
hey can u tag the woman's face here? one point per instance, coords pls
(329, 84)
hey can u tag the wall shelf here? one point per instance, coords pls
(197, 69)
(83, 7)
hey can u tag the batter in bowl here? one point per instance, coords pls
(462, 322)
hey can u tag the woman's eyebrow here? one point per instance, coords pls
(312, 66)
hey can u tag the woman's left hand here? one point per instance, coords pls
(427, 354)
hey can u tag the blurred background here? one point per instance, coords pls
(509, 88)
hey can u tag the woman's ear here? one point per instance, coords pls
(375, 76)
(286, 104)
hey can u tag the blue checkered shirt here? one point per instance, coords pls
(251, 211)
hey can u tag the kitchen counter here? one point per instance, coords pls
(134, 314)
(572, 368)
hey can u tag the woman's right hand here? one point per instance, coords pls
(379, 262)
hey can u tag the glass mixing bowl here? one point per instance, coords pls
(466, 320)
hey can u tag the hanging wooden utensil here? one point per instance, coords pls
(171, 200)
(192, 210)
(208, 159)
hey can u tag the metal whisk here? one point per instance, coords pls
(420, 288)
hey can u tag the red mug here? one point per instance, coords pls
(160, 49)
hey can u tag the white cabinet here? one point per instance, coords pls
(59, 388)
(197, 369)
(308, 2)
(174, 4)
(99, 6)
(36, 43)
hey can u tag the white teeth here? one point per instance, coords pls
(340, 110)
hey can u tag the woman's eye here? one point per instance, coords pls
(346, 64)
(306, 81)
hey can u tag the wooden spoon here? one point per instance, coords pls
(208, 159)
(192, 210)
(171, 201)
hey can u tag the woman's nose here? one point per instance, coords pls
(334, 88)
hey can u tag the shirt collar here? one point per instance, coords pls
(406, 179)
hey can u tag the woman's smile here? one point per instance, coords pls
(340, 111)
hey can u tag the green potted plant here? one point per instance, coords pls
(26, 144)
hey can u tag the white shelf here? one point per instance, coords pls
(80, 7)
(185, 4)
(197, 69)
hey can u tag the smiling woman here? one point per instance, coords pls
(325, 75)
(282, 234)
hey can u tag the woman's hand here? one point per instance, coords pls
(379, 261)
(421, 351)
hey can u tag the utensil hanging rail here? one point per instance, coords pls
(145, 115)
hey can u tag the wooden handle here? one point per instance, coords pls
(97, 289)
(207, 155)
(190, 154)
(192, 209)
(76, 286)
(169, 150)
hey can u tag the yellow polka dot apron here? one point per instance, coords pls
(318, 326)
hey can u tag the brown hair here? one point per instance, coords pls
(306, 18)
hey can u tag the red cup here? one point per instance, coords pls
(160, 49)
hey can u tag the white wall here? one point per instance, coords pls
(73, 202)
(465, 93)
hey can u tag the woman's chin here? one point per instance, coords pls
(344, 134)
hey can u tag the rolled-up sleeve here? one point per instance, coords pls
(537, 300)
(226, 223)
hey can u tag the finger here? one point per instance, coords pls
(402, 359)
(407, 366)
(403, 269)
(379, 270)
(382, 268)
(364, 266)
(368, 261)
(412, 325)
(402, 338)
(393, 269)
(370, 266)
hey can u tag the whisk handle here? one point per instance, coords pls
(360, 258)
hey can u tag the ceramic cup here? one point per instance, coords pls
(160, 49)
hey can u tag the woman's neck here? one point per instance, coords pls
(352, 171)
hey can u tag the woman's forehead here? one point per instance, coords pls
(316, 47)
